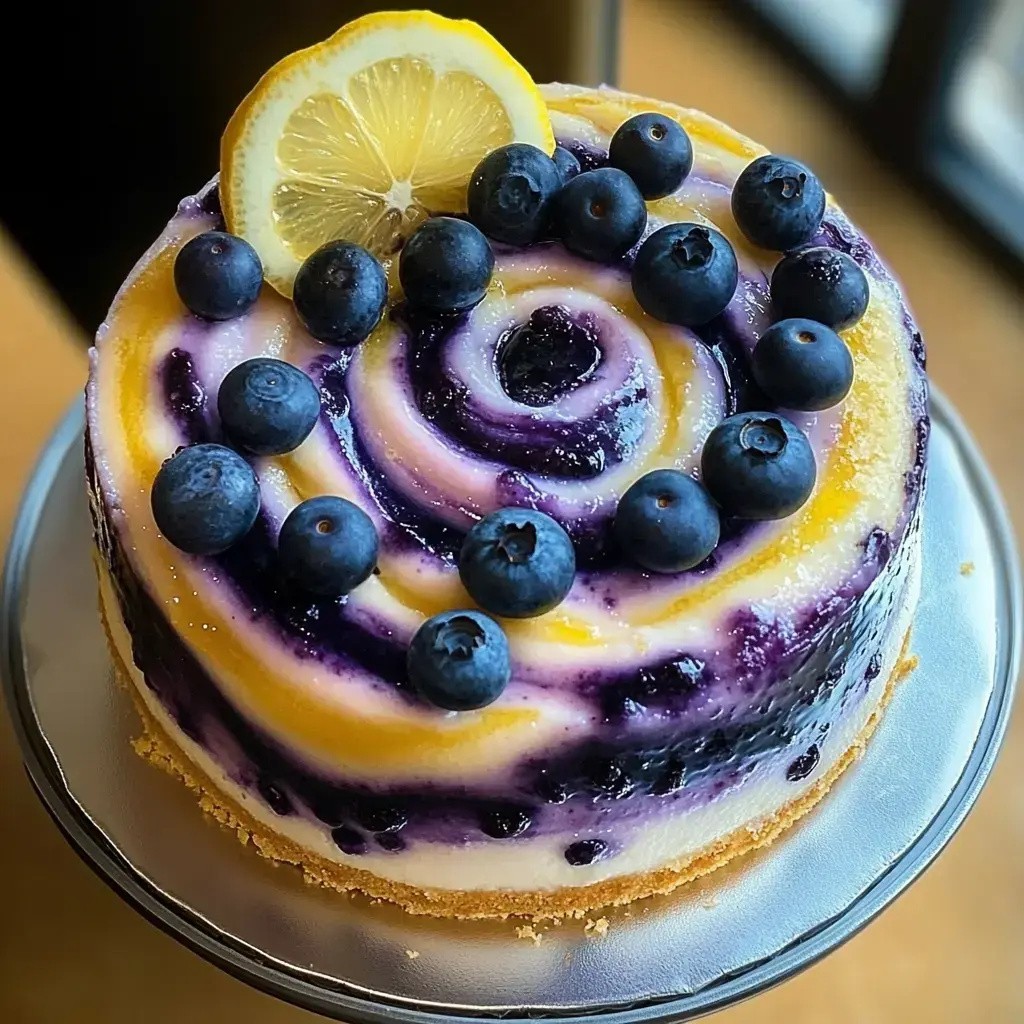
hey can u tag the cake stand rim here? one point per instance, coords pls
(202, 937)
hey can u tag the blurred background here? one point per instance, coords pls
(911, 111)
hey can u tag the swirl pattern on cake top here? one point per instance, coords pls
(648, 717)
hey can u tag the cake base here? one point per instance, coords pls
(160, 749)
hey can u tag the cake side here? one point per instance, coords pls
(649, 719)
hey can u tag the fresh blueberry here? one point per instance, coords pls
(267, 407)
(510, 193)
(505, 822)
(446, 265)
(802, 365)
(517, 562)
(340, 293)
(390, 842)
(685, 274)
(600, 215)
(820, 284)
(459, 660)
(327, 546)
(667, 522)
(778, 203)
(218, 276)
(567, 164)
(586, 851)
(758, 465)
(205, 498)
(654, 151)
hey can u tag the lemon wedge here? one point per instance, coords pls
(366, 134)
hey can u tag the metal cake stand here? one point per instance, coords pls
(721, 939)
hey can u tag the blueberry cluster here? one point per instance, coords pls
(754, 465)
(518, 563)
(206, 497)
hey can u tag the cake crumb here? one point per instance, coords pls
(906, 665)
(526, 931)
(598, 927)
(412, 954)
(966, 568)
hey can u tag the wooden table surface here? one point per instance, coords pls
(949, 951)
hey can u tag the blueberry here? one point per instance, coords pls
(654, 151)
(685, 274)
(327, 546)
(505, 822)
(459, 661)
(567, 164)
(276, 798)
(446, 265)
(758, 465)
(348, 840)
(510, 193)
(267, 406)
(778, 203)
(517, 562)
(218, 276)
(205, 498)
(586, 851)
(600, 215)
(390, 842)
(667, 522)
(802, 365)
(802, 766)
(340, 293)
(820, 284)
(378, 815)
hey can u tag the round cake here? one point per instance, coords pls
(652, 724)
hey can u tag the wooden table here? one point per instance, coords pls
(949, 951)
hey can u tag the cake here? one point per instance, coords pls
(625, 564)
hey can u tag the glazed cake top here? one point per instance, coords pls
(418, 430)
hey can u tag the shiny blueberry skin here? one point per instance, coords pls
(758, 465)
(340, 293)
(685, 274)
(327, 546)
(510, 193)
(267, 406)
(505, 822)
(567, 164)
(600, 215)
(446, 265)
(205, 498)
(218, 276)
(654, 151)
(820, 284)
(666, 522)
(459, 661)
(586, 851)
(802, 365)
(517, 563)
(778, 203)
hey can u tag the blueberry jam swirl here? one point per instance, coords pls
(641, 697)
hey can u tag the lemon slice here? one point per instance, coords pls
(363, 136)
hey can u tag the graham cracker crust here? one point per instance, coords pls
(157, 747)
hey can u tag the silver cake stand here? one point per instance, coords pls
(712, 943)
